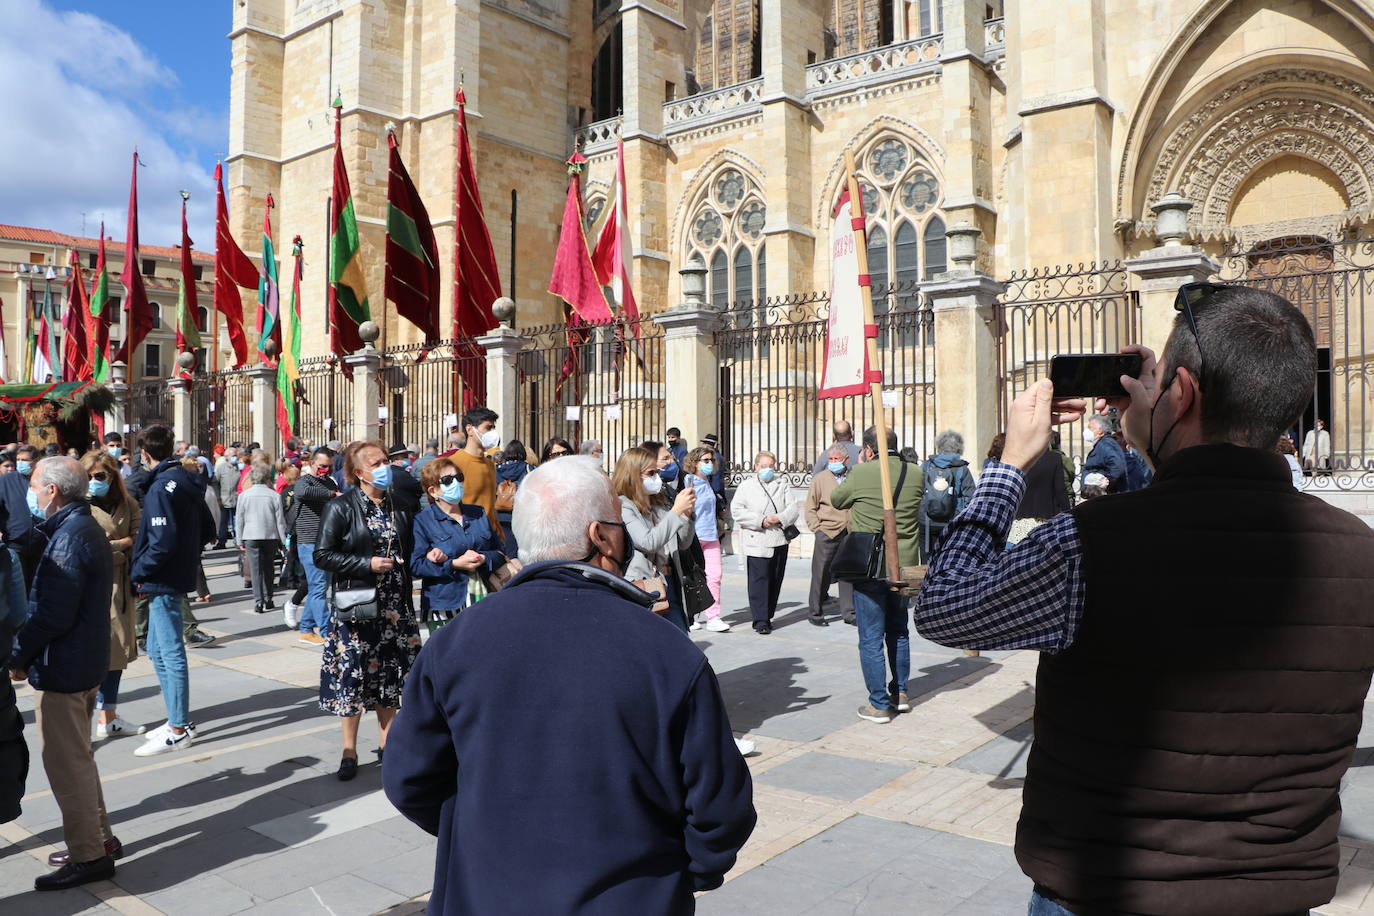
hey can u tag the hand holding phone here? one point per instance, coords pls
(1093, 375)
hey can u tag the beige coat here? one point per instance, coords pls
(754, 501)
(821, 516)
(122, 523)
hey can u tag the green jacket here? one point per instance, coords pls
(861, 493)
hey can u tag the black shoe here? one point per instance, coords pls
(76, 873)
(763, 629)
(851, 621)
(269, 608)
(143, 647)
(257, 608)
(379, 752)
(348, 768)
(197, 638)
(113, 848)
(819, 621)
(247, 585)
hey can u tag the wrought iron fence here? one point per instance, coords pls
(424, 391)
(596, 381)
(220, 411)
(149, 403)
(1332, 283)
(771, 359)
(1088, 308)
(322, 398)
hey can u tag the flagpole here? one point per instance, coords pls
(875, 387)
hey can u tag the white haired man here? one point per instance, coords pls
(637, 705)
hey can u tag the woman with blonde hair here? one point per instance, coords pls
(658, 529)
(118, 515)
(766, 516)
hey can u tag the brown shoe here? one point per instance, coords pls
(312, 640)
(113, 849)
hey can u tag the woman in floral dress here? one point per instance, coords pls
(364, 542)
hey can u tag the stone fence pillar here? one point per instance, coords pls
(1160, 271)
(262, 405)
(502, 345)
(179, 390)
(691, 368)
(117, 420)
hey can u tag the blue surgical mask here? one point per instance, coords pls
(669, 474)
(451, 493)
(35, 510)
(24, 467)
(381, 477)
(98, 488)
(836, 467)
(767, 475)
(706, 469)
(115, 451)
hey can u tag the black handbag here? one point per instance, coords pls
(861, 555)
(791, 532)
(691, 572)
(352, 605)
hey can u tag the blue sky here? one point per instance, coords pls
(102, 76)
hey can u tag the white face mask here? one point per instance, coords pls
(653, 485)
(1089, 436)
(490, 439)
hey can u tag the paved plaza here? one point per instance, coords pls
(913, 817)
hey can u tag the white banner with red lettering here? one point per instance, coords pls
(845, 371)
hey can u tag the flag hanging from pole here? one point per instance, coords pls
(4, 357)
(574, 277)
(40, 369)
(232, 270)
(288, 367)
(188, 300)
(269, 295)
(348, 302)
(99, 316)
(612, 255)
(76, 350)
(845, 370)
(412, 255)
(51, 315)
(136, 305)
(476, 283)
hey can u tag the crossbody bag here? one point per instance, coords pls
(861, 555)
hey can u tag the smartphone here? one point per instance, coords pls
(1093, 375)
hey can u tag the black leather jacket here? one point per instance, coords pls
(345, 544)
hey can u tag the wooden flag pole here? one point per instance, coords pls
(875, 385)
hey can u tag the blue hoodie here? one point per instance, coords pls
(176, 524)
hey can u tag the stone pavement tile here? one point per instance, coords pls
(235, 648)
(409, 874)
(1354, 889)
(312, 824)
(844, 778)
(345, 895)
(290, 665)
(205, 895)
(18, 898)
(1004, 756)
(842, 856)
(150, 868)
(403, 830)
(885, 892)
(1357, 810)
(767, 891)
(301, 866)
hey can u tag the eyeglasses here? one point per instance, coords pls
(99, 475)
(1192, 296)
(449, 480)
(559, 454)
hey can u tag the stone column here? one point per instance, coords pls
(117, 420)
(502, 345)
(691, 367)
(367, 395)
(263, 405)
(179, 390)
(1160, 271)
(966, 82)
(964, 302)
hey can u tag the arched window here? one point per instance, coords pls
(608, 85)
(591, 212)
(202, 319)
(156, 311)
(726, 231)
(901, 197)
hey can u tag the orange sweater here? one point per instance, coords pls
(479, 485)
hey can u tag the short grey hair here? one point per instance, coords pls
(556, 503)
(193, 451)
(586, 448)
(1102, 422)
(769, 455)
(65, 473)
(949, 442)
(837, 449)
(260, 473)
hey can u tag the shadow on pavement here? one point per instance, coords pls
(944, 677)
(764, 690)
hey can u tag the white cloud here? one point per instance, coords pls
(75, 112)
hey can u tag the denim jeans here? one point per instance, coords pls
(880, 614)
(107, 696)
(1044, 906)
(315, 613)
(167, 650)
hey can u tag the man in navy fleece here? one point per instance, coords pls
(620, 789)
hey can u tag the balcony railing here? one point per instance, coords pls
(597, 137)
(704, 108)
(996, 37)
(869, 68)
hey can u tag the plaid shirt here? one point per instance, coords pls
(979, 595)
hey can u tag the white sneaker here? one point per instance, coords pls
(290, 615)
(117, 729)
(745, 746)
(716, 625)
(165, 741)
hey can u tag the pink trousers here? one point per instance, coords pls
(711, 549)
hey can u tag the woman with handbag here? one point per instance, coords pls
(700, 464)
(659, 530)
(365, 542)
(767, 517)
(453, 543)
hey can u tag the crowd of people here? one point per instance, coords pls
(1244, 727)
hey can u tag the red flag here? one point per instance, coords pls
(76, 356)
(612, 256)
(188, 299)
(232, 270)
(476, 284)
(412, 256)
(348, 302)
(574, 278)
(136, 306)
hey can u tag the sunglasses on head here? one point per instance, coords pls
(450, 479)
(1191, 297)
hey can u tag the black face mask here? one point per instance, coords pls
(626, 555)
(1150, 449)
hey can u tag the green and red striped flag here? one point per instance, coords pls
(76, 352)
(269, 295)
(412, 255)
(98, 328)
(348, 303)
(288, 368)
(188, 301)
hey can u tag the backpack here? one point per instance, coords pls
(505, 495)
(940, 501)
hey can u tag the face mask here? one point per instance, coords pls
(115, 451)
(669, 473)
(24, 467)
(1152, 451)
(653, 485)
(98, 488)
(452, 493)
(490, 439)
(381, 477)
(36, 510)
(706, 469)
(321, 472)
(626, 555)
(767, 475)
(836, 467)
(1089, 436)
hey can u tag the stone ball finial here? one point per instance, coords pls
(270, 347)
(503, 310)
(186, 360)
(119, 372)
(369, 331)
